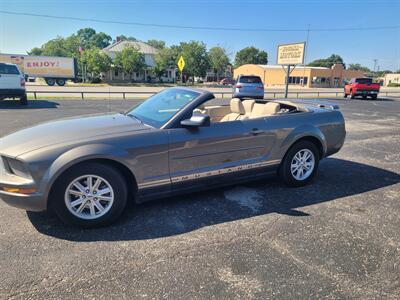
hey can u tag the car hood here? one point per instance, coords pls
(67, 130)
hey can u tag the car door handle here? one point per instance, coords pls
(256, 131)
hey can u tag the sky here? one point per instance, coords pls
(18, 34)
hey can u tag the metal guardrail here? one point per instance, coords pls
(222, 94)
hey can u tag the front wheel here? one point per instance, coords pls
(300, 164)
(374, 97)
(89, 195)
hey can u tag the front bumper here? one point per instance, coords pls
(20, 192)
(32, 202)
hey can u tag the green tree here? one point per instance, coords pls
(97, 62)
(129, 60)
(89, 38)
(195, 56)
(251, 55)
(158, 44)
(358, 67)
(164, 59)
(122, 37)
(35, 51)
(219, 60)
(327, 62)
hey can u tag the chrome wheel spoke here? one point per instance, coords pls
(77, 202)
(80, 209)
(79, 186)
(104, 198)
(98, 205)
(103, 191)
(97, 184)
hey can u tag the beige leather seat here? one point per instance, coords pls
(262, 110)
(248, 107)
(237, 111)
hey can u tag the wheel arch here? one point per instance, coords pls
(126, 172)
(306, 132)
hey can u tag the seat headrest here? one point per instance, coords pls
(237, 106)
(272, 108)
(248, 105)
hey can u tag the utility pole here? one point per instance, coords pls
(375, 63)
(305, 53)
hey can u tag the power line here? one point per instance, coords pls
(202, 27)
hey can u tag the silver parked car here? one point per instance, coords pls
(248, 86)
(87, 168)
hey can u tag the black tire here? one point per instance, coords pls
(110, 174)
(285, 168)
(60, 82)
(352, 96)
(50, 81)
(364, 97)
(374, 97)
(23, 100)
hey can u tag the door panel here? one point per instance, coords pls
(217, 149)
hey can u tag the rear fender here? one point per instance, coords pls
(303, 131)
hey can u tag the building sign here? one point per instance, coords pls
(291, 54)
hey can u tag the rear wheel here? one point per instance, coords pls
(352, 96)
(50, 81)
(23, 100)
(89, 195)
(374, 97)
(300, 164)
(60, 82)
(364, 97)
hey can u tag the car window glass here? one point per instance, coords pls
(250, 79)
(364, 80)
(8, 69)
(161, 107)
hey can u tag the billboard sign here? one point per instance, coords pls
(291, 54)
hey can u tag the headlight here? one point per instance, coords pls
(16, 167)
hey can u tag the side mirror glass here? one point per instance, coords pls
(197, 120)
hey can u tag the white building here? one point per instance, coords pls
(149, 53)
(391, 78)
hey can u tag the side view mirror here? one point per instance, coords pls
(197, 120)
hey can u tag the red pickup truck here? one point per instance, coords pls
(361, 87)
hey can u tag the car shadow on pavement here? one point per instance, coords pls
(32, 104)
(178, 215)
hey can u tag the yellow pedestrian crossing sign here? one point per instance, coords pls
(181, 63)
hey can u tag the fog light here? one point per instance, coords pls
(25, 191)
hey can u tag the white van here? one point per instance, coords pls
(12, 83)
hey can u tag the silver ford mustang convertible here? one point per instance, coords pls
(177, 141)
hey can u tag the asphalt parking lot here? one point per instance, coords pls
(336, 238)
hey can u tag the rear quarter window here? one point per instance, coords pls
(250, 79)
(8, 69)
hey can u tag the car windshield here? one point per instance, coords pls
(161, 107)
